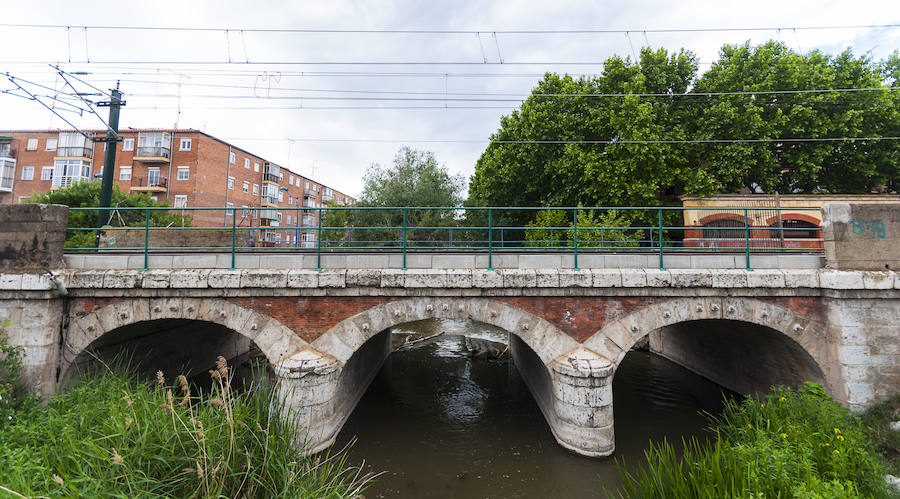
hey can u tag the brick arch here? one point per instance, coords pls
(276, 341)
(796, 216)
(342, 340)
(807, 330)
(715, 217)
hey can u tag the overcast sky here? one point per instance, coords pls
(238, 102)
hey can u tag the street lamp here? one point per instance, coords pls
(297, 217)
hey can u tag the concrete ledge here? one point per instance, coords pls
(533, 280)
(425, 261)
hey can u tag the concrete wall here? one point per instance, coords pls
(862, 236)
(35, 321)
(32, 237)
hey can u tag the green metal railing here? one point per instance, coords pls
(658, 230)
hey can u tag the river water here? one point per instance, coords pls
(439, 423)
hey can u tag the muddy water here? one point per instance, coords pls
(440, 423)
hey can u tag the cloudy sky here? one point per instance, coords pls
(328, 104)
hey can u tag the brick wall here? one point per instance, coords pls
(32, 237)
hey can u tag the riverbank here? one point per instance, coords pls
(794, 443)
(114, 436)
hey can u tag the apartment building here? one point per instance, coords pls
(183, 167)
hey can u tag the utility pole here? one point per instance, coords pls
(109, 162)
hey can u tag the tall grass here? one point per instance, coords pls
(787, 444)
(113, 436)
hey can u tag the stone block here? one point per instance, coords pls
(364, 277)
(263, 278)
(540, 261)
(122, 279)
(634, 278)
(304, 279)
(765, 278)
(801, 278)
(425, 278)
(488, 278)
(224, 279)
(332, 278)
(459, 278)
(693, 278)
(37, 282)
(878, 280)
(393, 278)
(155, 279)
(547, 278)
(189, 278)
(575, 278)
(851, 355)
(10, 281)
(519, 278)
(657, 278)
(85, 279)
(729, 278)
(862, 236)
(836, 279)
(606, 278)
(368, 262)
(453, 261)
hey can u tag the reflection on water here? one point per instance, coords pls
(442, 424)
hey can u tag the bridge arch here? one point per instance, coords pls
(732, 323)
(346, 337)
(275, 340)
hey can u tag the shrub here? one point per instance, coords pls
(112, 436)
(788, 444)
(596, 229)
(11, 394)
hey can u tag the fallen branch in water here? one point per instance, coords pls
(408, 343)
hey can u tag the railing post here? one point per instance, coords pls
(319, 240)
(747, 236)
(575, 227)
(660, 237)
(490, 239)
(233, 235)
(404, 238)
(147, 240)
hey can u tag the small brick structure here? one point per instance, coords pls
(32, 237)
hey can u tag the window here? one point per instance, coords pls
(246, 187)
(797, 229)
(229, 209)
(181, 201)
(28, 172)
(155, 198)
(232, 157)
(280, 197)
(256, 166)
(244, 211)
(24, 199)
(291, 179)
(246, 163)
(51, 144)
(230, 183)
(68, 171)
(125, 172)
(184, 144)
(128, 145)
(255, 189)
(290, 200)
(183, 173)
(154, 145)
(47, 173)
(31, 145)
(152, 177)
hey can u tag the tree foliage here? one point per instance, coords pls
(87, 195)
(415, 178)
(596, 229)
(654, 174)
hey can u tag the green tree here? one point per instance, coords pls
(616, 174)
(87, 195)
(596, 229)
(414, 179)
(827, 166)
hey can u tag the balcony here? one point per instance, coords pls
(309, 192)
(269, 200)
(75, 152)
(144, 184)
(153, 154)
(7, 171)
(309, 202)
(272, 177)
(63, 181)
(308, 221)
(326, 197)
(268, 214)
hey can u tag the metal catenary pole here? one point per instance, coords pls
(109, 161)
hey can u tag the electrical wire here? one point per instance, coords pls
(563, 142)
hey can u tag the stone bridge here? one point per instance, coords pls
(326, 333)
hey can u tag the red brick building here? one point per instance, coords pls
(183, 167)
